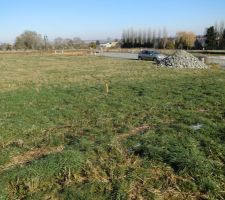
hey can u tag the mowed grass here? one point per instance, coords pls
(158, 133)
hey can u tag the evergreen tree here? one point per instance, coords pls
(222, 40)
(211, 38)
(198, 45)
(97, 42)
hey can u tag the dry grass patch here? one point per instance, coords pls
(29, 156)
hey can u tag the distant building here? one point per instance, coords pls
(109, 45)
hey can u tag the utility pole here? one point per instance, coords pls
(45, 40)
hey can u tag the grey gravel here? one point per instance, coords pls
(182, 59)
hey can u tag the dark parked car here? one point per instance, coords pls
(151, 55)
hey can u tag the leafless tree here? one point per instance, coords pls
(140, 37)
(221, 28)
(216, 27)
(154, 39)
(29, 40)
(59, 43)
(144, 37)
(149, 35)
(186, 39)
(165, 37)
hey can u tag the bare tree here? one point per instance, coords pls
(165, 37)
(149, 37)
(159, 39)
(186, 39)
(29, 40)
(139, 37)
(144, 38)
(154, 39)
(132, 36)
(77, 42)
(159, 34)
(216, 27)
(221, 28)
(59, 43)
(6, 47)
(68, 43)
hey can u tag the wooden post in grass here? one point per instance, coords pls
(106, 87)
(106, 84)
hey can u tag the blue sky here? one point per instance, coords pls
(100, 19)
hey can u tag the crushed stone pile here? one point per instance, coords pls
(182, 59)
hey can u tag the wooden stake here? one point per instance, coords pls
(106, 87)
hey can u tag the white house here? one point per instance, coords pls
(109, 44)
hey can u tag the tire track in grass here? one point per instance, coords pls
(37, 153)
(133, 132)
(29, 156)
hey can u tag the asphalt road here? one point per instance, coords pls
(216, 59)
(133, 56)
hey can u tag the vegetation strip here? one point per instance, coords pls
(133, 132)
(29, 156)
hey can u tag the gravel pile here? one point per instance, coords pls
(182, 59)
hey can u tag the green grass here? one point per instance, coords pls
(52, 101)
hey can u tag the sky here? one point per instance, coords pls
(101, 19)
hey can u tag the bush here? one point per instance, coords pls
(170, 45)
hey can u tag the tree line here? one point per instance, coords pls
(214, 38)
(144, 38)
(156, 39)
(31, 40)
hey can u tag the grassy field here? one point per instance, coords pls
(157, 134)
